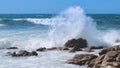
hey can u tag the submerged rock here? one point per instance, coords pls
(96, 47)
(41, 49)
(53, 48)
(23, 53)
(80, 43)
(12, 48)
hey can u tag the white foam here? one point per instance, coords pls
(71, 23)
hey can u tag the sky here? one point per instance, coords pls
(56, 6)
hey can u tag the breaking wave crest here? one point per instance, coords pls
(69, 24)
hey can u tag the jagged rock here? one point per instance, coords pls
(41, 49)
(114, 48)
(109, 57)
(80, 43)
(12, 48)
(82, 59)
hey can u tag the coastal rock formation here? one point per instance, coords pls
(23, 53)
(109, 57)
(114, 48)
(81, 59)
(80, 43)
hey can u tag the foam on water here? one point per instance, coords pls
(69, 24)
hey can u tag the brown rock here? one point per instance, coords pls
(114, 48)
(80, 43)
(82, 59)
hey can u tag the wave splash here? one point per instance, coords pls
(69, 24)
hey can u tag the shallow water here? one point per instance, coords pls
(51, 59)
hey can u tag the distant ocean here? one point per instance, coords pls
(31, 31)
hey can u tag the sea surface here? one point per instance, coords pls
(31, 31)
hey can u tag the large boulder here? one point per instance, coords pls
(80, 43)
(81, 59)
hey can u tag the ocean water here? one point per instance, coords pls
(31, 31)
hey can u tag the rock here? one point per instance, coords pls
(114, 48)
(82, 59)
(33, 53)
(12, 48)
(109, 57)
(96, 47)
(80, 43)
(23, 53)
(41, 49)
(74, 49)
(53, 48)
(65, 48)
(62, 48)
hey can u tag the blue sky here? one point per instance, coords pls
(55, 6)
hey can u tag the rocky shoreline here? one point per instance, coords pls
(108, 57)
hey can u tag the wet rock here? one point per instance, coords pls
(65, 48)
(33, 53)
(23, 53)
(96, 47)
(110, 57)
(114, 48)
(81, 59)
(80, 43)
(41, 49)
(74, 49)
(53, 48)
(12, 48)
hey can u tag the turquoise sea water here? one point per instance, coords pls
(31, 31)
(22, 27)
